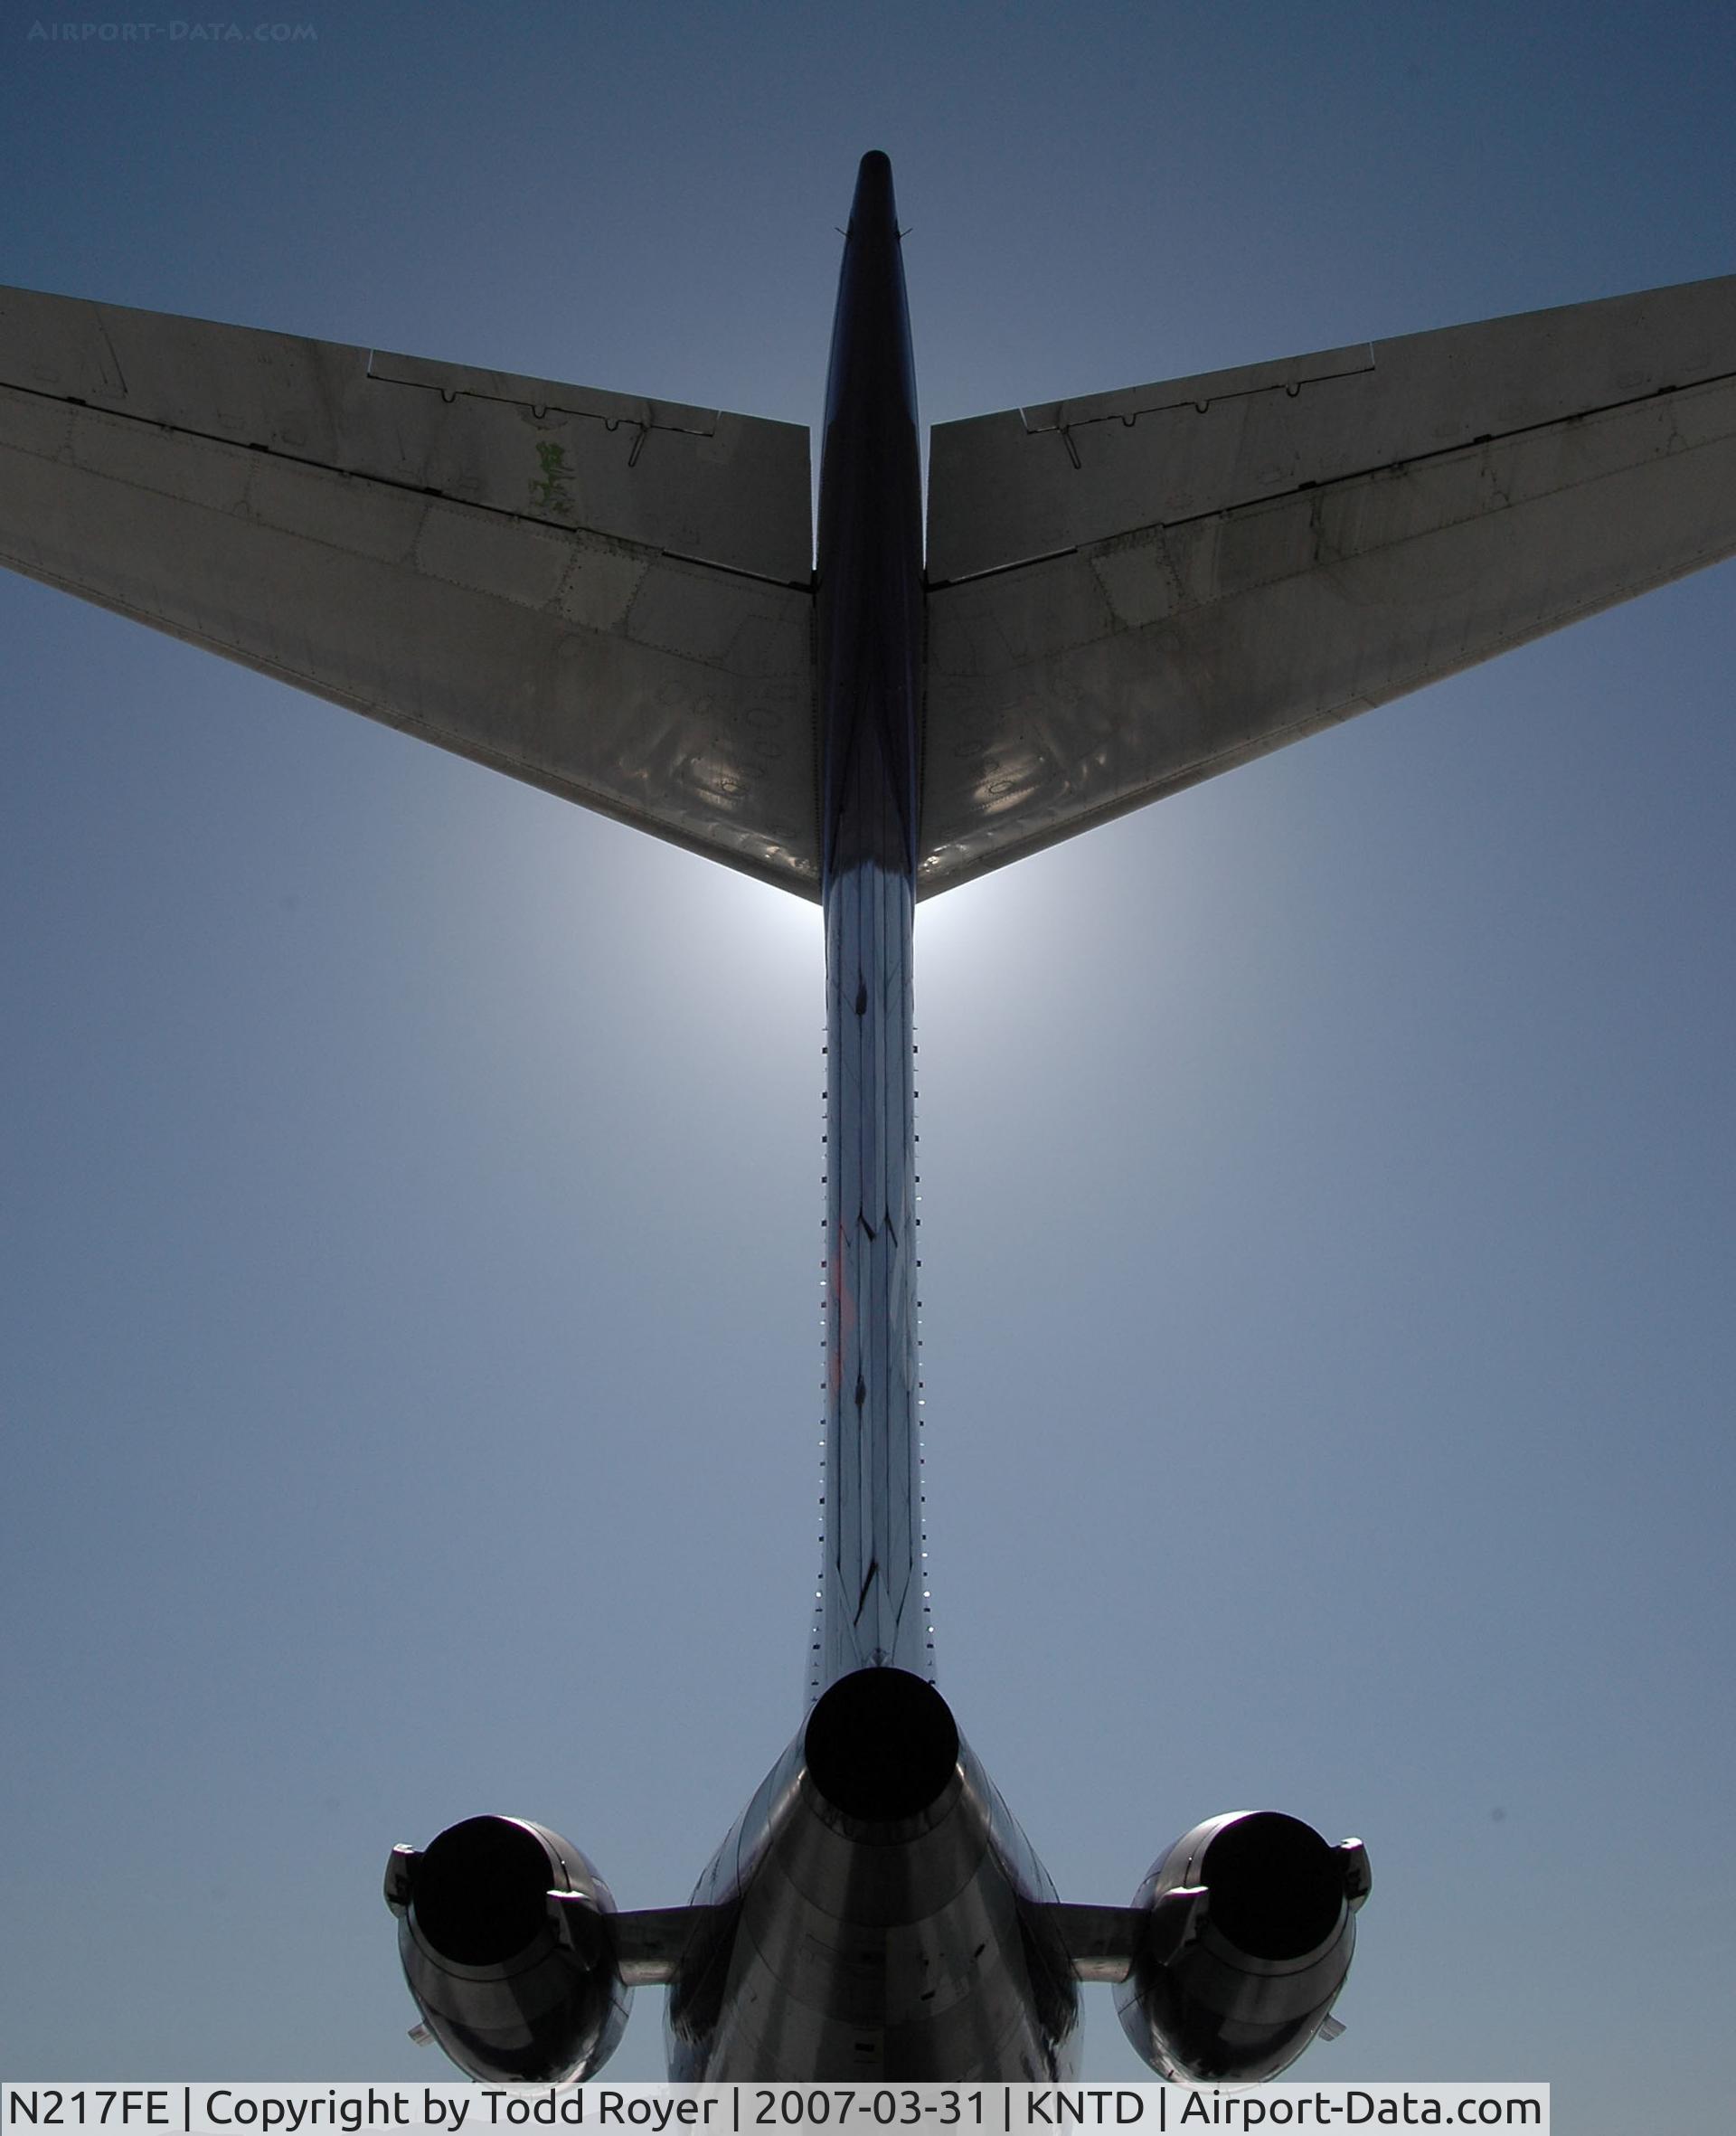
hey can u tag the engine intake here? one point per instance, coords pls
(1248, 1936)
(503, 1930)
(881, 1745)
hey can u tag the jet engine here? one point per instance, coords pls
(504, 1936)
(1247, 1933)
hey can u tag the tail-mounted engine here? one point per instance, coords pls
(504, 1933)
(1245, 1937)
(827, 1937)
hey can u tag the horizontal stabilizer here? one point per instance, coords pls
(1132, 592)
(607, 597)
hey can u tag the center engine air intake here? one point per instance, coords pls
(881, 1745)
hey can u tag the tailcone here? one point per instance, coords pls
(879, 1916)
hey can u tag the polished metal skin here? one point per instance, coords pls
(1248, 1925)
(503, 1938)
(876, 1912)
(872, 1608)
(617, 601)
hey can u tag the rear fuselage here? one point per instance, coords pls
(877, 1906)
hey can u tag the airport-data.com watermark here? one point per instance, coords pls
(188, 33)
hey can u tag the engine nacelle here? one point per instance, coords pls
(504, 1934)
(1248, 1929)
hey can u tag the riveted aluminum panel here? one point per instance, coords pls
(1007, 489)
(590, 597)
(1156, 653)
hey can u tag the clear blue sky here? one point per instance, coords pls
(409, 1331)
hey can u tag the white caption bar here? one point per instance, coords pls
(744, 2110)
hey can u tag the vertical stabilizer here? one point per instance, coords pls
(873, 1610)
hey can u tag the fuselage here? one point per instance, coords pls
(876, 1907)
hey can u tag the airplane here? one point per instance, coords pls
(621, 601)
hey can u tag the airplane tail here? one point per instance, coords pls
(876, 1914)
